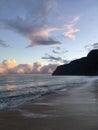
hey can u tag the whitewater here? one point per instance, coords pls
(19, 89)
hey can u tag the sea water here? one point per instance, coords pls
(18, 89)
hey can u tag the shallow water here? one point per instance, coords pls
(18, 89)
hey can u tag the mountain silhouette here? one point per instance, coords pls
(83, 66)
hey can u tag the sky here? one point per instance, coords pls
(38, 35)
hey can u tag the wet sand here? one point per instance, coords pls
(75, 109)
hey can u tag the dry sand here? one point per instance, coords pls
(75, 109)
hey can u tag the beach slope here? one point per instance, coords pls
(75, 109)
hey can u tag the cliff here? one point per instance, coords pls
(83, 66)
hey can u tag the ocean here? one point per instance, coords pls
(19, 89)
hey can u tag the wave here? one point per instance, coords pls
(13, 101)
(47, 85)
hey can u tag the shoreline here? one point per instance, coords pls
(75, 109)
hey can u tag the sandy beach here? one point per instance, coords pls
(75, 109)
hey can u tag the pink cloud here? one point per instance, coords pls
(10, 67)
(6, 65)
(48, 69)
(70, 29)
(2, 69)
(70, 33)
(22, 69)
(9, 63)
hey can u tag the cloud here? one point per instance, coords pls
(3, 44)
(33, 25)
(70, 33)
(37, 67)
(10, 67)
(48, 69)
(6, 65)
(54, 59)
(35, 20)
(51, 58)
(9, 63)
(76, 19)
(22, 69)
(56, 56)
(2, 69)
(43, 41)
(59, 51)
(56, 52)
(91, 46)
(58, 48)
